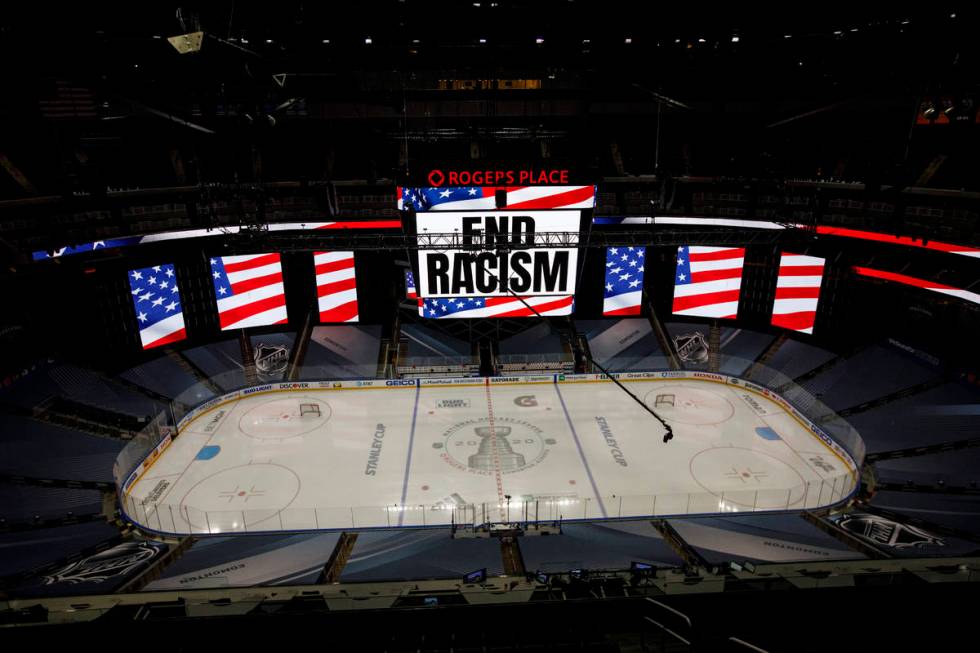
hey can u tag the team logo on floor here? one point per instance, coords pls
(112, 563)
(480, 446)
(889, 533)
(692, 347)
(271, 360)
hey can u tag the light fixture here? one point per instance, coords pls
(628, 40)
(268, 41)
(700, 40)
(367, 40)
(483, 40)
(735, 39)
(539, 40)
(187, 43)
(326, 41)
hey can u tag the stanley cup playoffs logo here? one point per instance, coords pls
(483, 459)
(506, 444)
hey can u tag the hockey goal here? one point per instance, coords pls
(664, 400)
(313, 410)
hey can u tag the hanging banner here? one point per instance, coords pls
(497, 253)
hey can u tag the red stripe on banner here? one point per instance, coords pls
(901, 278)
(336, 286)
(333, 266)
(523, 311)
(800, 270)
(735, 252)
(556, 200)
(628, 310)
(716, 275)
(806, 292)
(795, 321)
(257, 262)
(364, 224)
(233, 315)
(411, 295)
(894, 240)
(179, 334)
(255, 282)
(341, 313)
(497, 301)
(696, 301)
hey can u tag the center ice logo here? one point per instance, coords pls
(479, 447)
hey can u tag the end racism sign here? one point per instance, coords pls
(497, 255)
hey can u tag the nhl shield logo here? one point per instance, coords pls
(692, 347)
(271, 360)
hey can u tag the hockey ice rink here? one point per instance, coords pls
(477, 452)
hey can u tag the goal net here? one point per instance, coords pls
(312, 410)
(663, 400)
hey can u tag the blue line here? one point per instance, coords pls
(581, 453)
(408, 461)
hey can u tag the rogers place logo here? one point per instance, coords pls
(436, 178)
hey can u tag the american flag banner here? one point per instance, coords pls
(707, 281)
(624, 281)
(157, 302)
(249, 290)
(797, 292)
(336, 286)
(478, 307)
(410, 292)
(481, 198)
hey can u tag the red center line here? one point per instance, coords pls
(496, 457)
